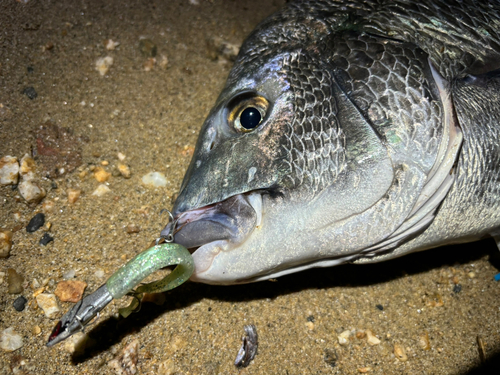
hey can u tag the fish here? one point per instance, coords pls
(351, 131)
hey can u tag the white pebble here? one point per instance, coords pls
(99, 273)
(371, 338)
(30, 191)
(9, 170)
(121, 156)
(27, 168)
(48, 303)
(156, 179)
(101, 190)
(103, 64)
(69, 274)
(344, 337)
(10, 340)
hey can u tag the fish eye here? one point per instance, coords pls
(247, 112)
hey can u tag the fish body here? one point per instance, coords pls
(348, 131)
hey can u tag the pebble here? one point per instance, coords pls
(73, 195)
(121, 156)
(69, 274)
(424, 342)
(110, 44)
(364, 370)
(149, 64)
(48, 303)
(156, 179)
(133, 228)
(9, 170)
(76, 343)
(36, 330)
(10, 340)
(101, 175)
(31, 191)
(14, 281)
(219, 48)
(27, 168)
(400, 353)
(48, 206)
(371, 338)
(5, 243)
(124, 170)
(103, 64)
(101, 190)
(126, 362)
(46, 238)
(30, 92)
(330, 357)
(36, 223)
(70, 290)
(99, 274)
(148, 48)
(19, 303)
(344, 337)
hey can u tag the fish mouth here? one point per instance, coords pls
(222, 226)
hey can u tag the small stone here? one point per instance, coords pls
(99, 274)
(133, 228)
(364, 370)
(10, 340)
(19, 303)
(104, 162)
(70, 290)
(330, 357)
(46, 238)
(457, 288)
(110, 44)
(2, 277)
(36, 330)
(76, 343)
(103, 64)
(73, 195)
(14, 281)
(69, 274)
(424, 342)
(149, 64)
(121, 156)
(219, 48)
(36, 223)
(5, 243)
(400, 353)
(148, 48)
(30, 92)
(471, 275)
(344, 337)
(101, 190)
(125, 363)
(48, 303)
(155, 179)
(31, 191)
(9, 170)
(360, 335)
(163, 62)
(101, 175)
(371, 338)
(124, 170)
(310, 326)
(48, 206)
(27, 168)
(380, 307)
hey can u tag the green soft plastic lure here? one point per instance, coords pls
(122, 283)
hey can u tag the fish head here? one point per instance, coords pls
(307, 181)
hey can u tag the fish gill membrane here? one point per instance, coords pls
(353, 154)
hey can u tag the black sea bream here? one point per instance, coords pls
(348, 131)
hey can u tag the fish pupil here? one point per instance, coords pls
(250, 118)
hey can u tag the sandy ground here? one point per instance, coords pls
(153, 119)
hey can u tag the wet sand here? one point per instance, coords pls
(153, 118)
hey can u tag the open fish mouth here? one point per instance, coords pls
(222, 226)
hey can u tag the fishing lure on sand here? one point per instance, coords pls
(122, 283)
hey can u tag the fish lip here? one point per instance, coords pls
(223, 225)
